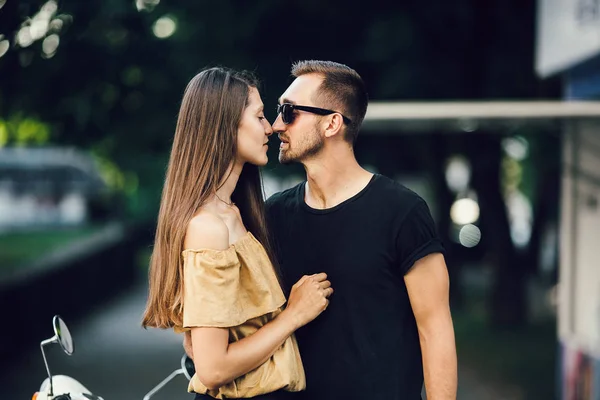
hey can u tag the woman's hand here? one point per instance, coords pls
(218, 362)
(309, 298)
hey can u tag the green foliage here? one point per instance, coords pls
(114, 87)
(21, 131)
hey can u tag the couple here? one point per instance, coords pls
(223, 262)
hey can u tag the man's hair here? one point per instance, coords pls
(342, 90)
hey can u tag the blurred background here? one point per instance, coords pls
(490, 109)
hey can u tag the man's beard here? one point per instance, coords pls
(310, 146)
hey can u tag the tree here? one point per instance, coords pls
(114, 86)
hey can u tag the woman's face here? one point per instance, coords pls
(253, 132)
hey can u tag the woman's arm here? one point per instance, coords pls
(217, 361)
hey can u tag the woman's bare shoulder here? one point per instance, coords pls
(206, 231)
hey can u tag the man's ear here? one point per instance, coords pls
(334, 126)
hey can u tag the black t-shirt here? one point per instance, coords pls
(366, 344)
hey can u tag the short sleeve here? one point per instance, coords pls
(417, 236)
(211, 289)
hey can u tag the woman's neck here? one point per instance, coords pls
(227, 186)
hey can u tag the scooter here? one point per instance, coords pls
(61, 387)
(187, 369)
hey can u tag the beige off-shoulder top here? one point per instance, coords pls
(237, 289)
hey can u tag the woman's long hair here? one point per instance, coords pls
(204, 147)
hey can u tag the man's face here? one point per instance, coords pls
(301, 138)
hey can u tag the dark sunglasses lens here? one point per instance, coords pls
(280, 110)
(287, 114)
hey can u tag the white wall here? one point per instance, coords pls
(579, 308)
(568, 32)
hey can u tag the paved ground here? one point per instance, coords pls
(118, 360)
(114, 357)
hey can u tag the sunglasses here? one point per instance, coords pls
(287, 112)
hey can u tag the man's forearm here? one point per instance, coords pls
(439, 360)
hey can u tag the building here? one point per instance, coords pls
(568, 45)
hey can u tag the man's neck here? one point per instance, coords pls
(333, 180)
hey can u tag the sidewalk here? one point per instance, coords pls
(118, 360)
(471, 387)
(114, 356)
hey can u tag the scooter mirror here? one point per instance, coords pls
(187, 366)
(187, 369)
(63, 335)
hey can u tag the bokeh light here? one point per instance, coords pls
(469, 235)
(4, 45)
(164, 27)
(24, 38)
(49, 45)
(146, 5)
(516, 147)
(464, 211)
(458, 174)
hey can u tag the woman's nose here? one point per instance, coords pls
(268, 129)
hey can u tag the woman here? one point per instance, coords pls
(212, 268)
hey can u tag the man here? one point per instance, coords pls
(388, 326)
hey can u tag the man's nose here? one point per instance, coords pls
(278, 125)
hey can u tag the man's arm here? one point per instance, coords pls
(428, 289)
